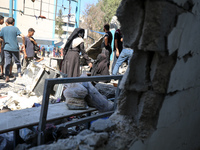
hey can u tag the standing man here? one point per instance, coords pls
(43, 51)
(11, 48)
(48, 51)
(106, 45)
(29, 52)
(126, 54)
(118, 45)
(1, 51)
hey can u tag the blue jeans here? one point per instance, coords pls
(125, 54)
(8, 58)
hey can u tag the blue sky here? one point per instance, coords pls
(65, 3)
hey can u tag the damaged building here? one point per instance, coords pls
(158, 106)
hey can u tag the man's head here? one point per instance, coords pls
(10, 21)
(1, 19)
(106, 27)
(31, 32)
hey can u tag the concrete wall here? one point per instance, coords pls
(160, 99)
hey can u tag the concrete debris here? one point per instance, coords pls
(107, 90)
(97, 100)
(22, 93)
(16, 101)
(102, 125)
(93, 139)
(65, 144)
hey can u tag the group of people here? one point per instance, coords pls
(75, 45)
(9, 48)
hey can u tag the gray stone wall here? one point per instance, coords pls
(160, 99)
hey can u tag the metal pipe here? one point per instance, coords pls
(11, 8)
(24, 7)
(78, 7)
(40, 7)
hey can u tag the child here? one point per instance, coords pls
(11, 48)
(29, 52)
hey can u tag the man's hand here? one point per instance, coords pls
(25, 56)
(90, 65)
(31, 39)
(117, 53)
(23, 47)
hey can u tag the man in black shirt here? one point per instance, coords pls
(118, 46)
(29, 53)
(106, 45)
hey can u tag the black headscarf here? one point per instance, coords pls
(78, 32)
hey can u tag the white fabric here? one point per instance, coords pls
(77, 41)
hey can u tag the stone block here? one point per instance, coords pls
(127, 103)
(131, 26)
(161, 67)
(147, 115)
(92, 139)
(102, 125)
(138, 74)
(154, 30)
(106, 90)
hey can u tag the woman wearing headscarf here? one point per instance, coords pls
(72, 49)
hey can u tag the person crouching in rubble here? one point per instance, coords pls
(29, 53)
(71, 60)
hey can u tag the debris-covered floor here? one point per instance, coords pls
(26, 92)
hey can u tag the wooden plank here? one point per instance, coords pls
(18, 119)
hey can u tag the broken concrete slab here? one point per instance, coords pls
(106, 89)
(68, 144)
(91, 138)
(97, 100)
(95, 49)
(102, 125)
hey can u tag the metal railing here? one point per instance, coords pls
(49, 83)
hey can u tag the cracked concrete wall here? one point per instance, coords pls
(159, 104)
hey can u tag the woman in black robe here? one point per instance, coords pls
(72, 49)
